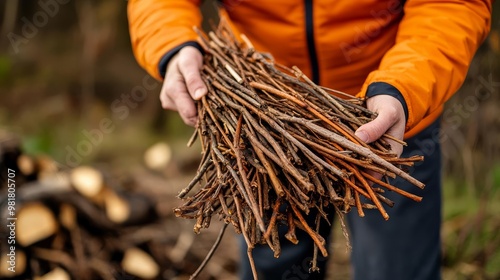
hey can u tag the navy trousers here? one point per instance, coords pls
(406, 247)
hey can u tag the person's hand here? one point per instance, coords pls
(183, 84)
(390, 120)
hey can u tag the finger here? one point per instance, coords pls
(172, 78)
(190, 64)
(186, 108)
(166, 102)
(373, 130)
(174, 96)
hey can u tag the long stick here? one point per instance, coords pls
(210, 253)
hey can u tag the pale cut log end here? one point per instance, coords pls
(56, 274)
(158, 156)
(67, 216)
(117, 208)
(35, 222)
(87, 180)
(138, 263)
(9, 267)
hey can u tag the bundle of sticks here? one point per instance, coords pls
(275, 146)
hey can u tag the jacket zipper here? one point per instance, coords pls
(313, 58)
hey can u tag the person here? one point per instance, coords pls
(406, 57)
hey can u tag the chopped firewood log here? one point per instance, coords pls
(139, 263)
(26, 165)
(96, 229)
(35, 222)
(158, 156)
(56, 274)
(12, 263)
(117, 208)
(87, 180)
(67, 216)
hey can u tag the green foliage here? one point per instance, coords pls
(41, 143)
(471, 243)
(495, 174)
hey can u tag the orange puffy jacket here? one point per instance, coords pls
(417, 51)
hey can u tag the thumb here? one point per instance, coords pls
(373, 130)
(190, 64)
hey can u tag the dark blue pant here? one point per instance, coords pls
(406, 247)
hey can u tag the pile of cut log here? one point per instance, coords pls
(84, 223)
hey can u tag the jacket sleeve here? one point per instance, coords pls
(158, 27)
(435, 44)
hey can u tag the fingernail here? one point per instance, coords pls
(362, 135)
(199, 93)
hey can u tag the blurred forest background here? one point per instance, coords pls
(61, 77)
